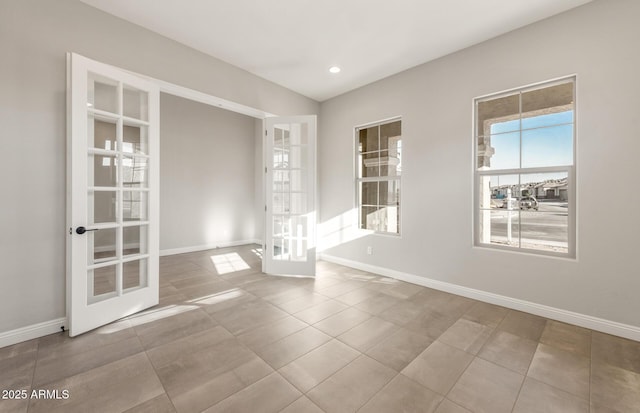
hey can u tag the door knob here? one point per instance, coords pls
(82, 230)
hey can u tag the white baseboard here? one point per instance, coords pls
(582, 320)
(196, 248)
(19, 335)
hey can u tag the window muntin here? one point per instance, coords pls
(524, 183)
(378, 174)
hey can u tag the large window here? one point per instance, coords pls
(524, 172)
(379, 167)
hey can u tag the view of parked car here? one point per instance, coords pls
(529, 202)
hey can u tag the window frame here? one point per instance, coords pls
(570, 170)
(358, 179)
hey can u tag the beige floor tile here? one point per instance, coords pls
(485, 313)
(438, 367)
(302, 303)
(162, 355)
(537, 397)
(614, 388)
(247, 316)
(222, 300)
(321, 311)
(377, 304)
(311, 369)
(159, 404)
(200, 369)
(170, 326)
(567, 337)
(402, 313)
(402, 395)
(562, 369)
(286, 293)
(399, 349)
(302, 405)
(367, 334)
(357, 296)
(351, 387)
(616, 351)
(268, 286)
(466, 335)
(203, 278)
(431, 323)
(271, 394)
(342, 321)
(54, 367)
(447, 406)
(446, 303)
(116, 386)
(403, 290)
(17, 349)
(524, 325)
(487, 388)
(272, 332)
(284, 351)
(510, 351)
(341, 288)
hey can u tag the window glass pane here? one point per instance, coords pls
(370, 165)
(102, 93)
(101, 207)
(369, 193)
(101, 133)
(135, 103)
(390, 193)
(298, 203)
(546, 231)
(298, 249)
(299, 226)
(280, 158)
(499, 151)
(135, 205)
(102, 245)
(368, 139)
(547, 106)
(369, 218)
(389, 219)
(389, 131)
(103, 170)
(552, 146)
(135, 172)
(500, 227)
(101, 282)
(298, 157)
(281, 136)
(135, 140)
(504, 112)
(134, 274)
(281, 227)
(135, 240)
(549, 190)
(498, 191)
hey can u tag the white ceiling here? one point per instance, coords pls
(294, 42)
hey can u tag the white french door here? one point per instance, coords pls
(112, 186)
(290, 213)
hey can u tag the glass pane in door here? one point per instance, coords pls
(134, 274)
(102, 207)
(102, 245)
(135, 103)
(101, 282)
(134, 240)
(102, 93)
(135, 140)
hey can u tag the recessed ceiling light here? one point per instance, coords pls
(334, 69)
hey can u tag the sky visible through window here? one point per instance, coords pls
(547, 140)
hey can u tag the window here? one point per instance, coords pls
(379, 167)
(524, 172)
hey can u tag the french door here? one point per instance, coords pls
(112, 205)
(290, 213)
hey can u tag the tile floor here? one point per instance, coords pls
(226, 338)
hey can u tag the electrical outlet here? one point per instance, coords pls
(369, 250)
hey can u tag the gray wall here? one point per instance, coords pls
(34, 38)
(207, 175)
(598, 42)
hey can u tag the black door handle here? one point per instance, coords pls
(82, 230)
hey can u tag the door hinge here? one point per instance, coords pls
(265, 169)
(265, 132)
(265, 208)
